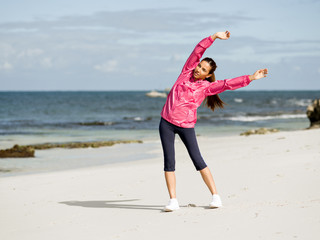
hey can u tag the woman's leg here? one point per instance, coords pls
(189, 139)
(208, 179)
(167, 136)
(171, 183)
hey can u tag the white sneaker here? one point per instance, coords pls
(172, 205)
(216, 201)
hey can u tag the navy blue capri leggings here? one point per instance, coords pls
(167, 132)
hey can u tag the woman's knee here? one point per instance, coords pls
(201, 166)
(199, 163)
(169, 165)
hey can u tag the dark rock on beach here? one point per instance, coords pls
(17, 152)
(96, 123)
(28, 150)
(259, 131)
(81, 144)
(313, 113)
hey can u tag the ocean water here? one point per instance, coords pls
(90, 116)
(41, 117)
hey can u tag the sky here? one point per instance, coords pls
(102, 45)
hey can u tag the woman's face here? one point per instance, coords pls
(202, 70)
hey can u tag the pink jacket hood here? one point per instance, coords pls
(187, 94)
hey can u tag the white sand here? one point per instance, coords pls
(269, 184)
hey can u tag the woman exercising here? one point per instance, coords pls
(195, 84)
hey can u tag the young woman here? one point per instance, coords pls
(195, 84)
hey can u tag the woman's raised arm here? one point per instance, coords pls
(201, 47)
(194, 58)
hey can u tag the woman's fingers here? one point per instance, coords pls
(226, 34)
(223, 35)
(263, 72)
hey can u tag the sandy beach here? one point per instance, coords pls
(269, 185)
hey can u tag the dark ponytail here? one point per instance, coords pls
(212, 101)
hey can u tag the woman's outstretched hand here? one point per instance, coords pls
(221, 35)
(261, 73)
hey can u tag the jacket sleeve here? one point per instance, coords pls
(197, 53)
(227, 84)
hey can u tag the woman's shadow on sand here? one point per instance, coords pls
(121, 205)
(113, 204)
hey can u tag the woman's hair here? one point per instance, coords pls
(212, 101)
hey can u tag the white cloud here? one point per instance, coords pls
(46, 62)
(297, 68)
(130, 22)
(6, 66)
(33, 52)
(171, 70)
(109, 66)
(6, 49)
(178, 57)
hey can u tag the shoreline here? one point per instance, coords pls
(76, 158)
(64, 159)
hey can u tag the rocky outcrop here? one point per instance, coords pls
(259, 131)
(96, 123)
(313, 113)
(81, 144)
(28, 150)
(17, 152)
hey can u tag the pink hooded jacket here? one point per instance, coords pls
(187, 93)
